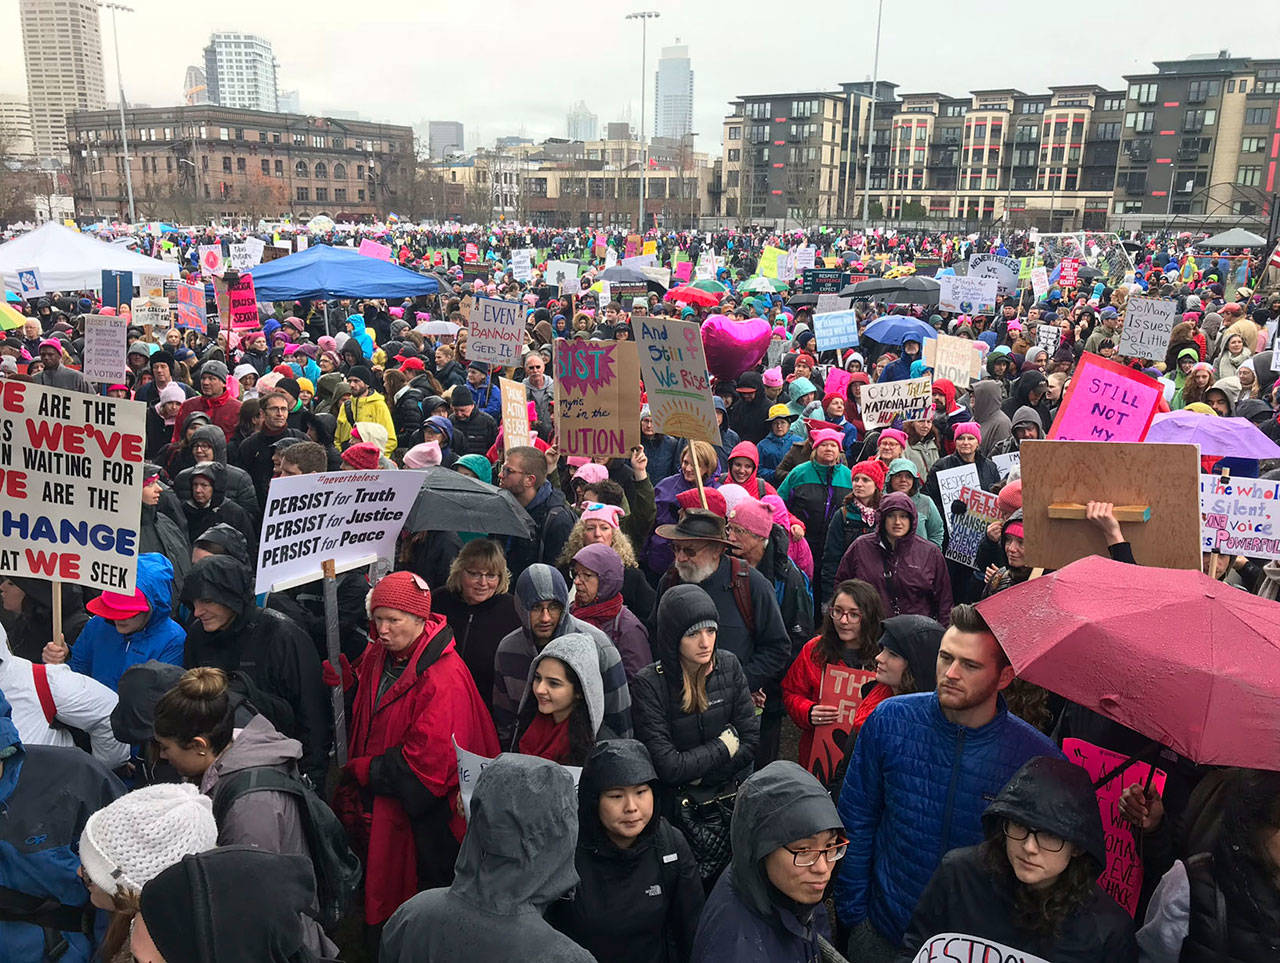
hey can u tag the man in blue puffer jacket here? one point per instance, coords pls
(924, 768)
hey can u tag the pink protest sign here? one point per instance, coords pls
(683, 271)
(373, 249)
(1106, 402)
(1070, 272)
(191, 309)
(243, 304)
(1123, 876)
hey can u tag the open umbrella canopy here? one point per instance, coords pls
(764, 285)
(909, 290)
(803, 301)
(897, 328)
(451, 502)
(1187, 661)
(1237, 237)
(691, 295)
(1224, 437)
(10, 318)
(619, 273)
(714, 287)
(330, 272)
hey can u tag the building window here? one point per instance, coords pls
(1109, 131)
(322, 194)
(735, 133)
(300, 169)
(240, 165)
(1032, 107)
(339, 172)
(953, 110)
(1231, 86)
(279, 168)
(322, 172)
(735, 154)
(1201, 90)
(226, 165)
(302, 194)
(266, 167)
(1143, 93)
(340, 195)
(1249, 176)
(1112, 103)
(1257, 115)
(1251, 145)
(222, 133)
(1198, 119)
(359, 195)
(1142, 121)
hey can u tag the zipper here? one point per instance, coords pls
(951, 791)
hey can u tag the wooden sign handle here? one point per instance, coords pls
(1122, 513)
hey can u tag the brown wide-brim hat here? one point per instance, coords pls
(696, 525)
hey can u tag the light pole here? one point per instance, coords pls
(871, 120)
(124, 136)
(644, 16)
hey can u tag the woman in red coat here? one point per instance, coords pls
(398, 794)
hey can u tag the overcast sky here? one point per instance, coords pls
(515, 66)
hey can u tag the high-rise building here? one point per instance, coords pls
(195, 88)
(581, 124)
(62, 46)
(444, 137)
(673, 94)
(241, 71)
(15, 127)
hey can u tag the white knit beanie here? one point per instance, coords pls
(145, 832)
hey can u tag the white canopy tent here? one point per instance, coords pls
(71, 261)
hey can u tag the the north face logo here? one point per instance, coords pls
(654, 890)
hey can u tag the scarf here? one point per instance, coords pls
(546, 739)
(599, 613)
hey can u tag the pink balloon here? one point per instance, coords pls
(734, 346)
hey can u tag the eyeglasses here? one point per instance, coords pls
(581, 575)
(687, 549)
(508, 470)
(845, 615)
(276, 409)
(807, 857)
(737, 531)
(1046, 841)
(481, 576)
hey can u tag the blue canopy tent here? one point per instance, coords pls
(329, 272)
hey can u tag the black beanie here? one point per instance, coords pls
(358, 371)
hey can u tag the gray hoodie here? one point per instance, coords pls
(579, 653)
(516, 860)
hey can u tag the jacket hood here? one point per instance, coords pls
(1054, 795)
(605, 562)
(216, 439)
(987, 397)
(11, 751)
(903, 464)
(250, 906)
(916, 638)
(1026, 415)
(479, 464)
(155, 578)
(947, 389)
(139, 689)
(1254, 409)
(680, 607)
(578, 652)
(541, 583)
(747, 450)
(230, 538)
(373, 433)
(222, 579)
(899, 501)
(325, 426)
(517, 855)
(778, 805)
(215, 471)
(1027, 383)
(258, 744)
(991, 362)
(194, 416)
(611, 764)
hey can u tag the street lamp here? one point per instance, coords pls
(871, 120)
(124, 136)
(644, 16)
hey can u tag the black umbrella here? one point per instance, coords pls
(452, 502)
(803, 301)
(1087, 273)
(907, 290)
(619, 273)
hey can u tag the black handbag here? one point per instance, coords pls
(704, 816)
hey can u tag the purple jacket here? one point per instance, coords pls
(911, 577)
(627, 632)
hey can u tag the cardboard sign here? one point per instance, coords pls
(106, 339)
(962, 948)
(1122, 877)
(1039, 282)
(117, 288)
(1004, 269)
(1165, 477)
(373, 249)
(956, 359)
(842, 688)
(495, 332)
(883, 402)
(151, 285)
(823, 280)
(211, 262)
(836, 329)
(1106, 401)
(632, 246)
(966, 295)
(560, 272)
(1148, 324)
(515, 414)
(1240, 516)
(71, 476)
(190, 307)
(348, 517)
(522, 264)
(966, 532)
(673, 364)
(152, 312)
(471, 764)
(30, 284)
(597, 402)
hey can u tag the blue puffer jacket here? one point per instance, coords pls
(104, 653)
(916, 788)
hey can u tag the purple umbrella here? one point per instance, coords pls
(1223, 437)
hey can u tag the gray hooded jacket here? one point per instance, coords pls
(578, 652)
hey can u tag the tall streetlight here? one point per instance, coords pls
(644, 16)
(871, 120)
(124, 136)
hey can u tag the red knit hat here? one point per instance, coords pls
(401, 590)
(715, 501)
(873, 468)
(363, 456)
(1010, 498)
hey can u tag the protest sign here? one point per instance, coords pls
(515, 414)
(71, 476)
(106, 339)
(1106, 401)
(151, 285)
(804, 258)
(1039, 282)
(836, 329)
(1240, 516)
(829, 303)
(560, 272)
(470, 252)
(660, 275)
(211, 263)
(883, 402)
(605, 294)
(951, 482)
(956, 359)
(1148, 323)
(640, 261)
(522, 264)
(624, 292)
(611, 258)
(1122, 877)
(495, 332)
(597, 400)
(300, 242)
(1069, 272)
(632, 245)
(841, 687)
(1006, 462)
(117, 288)
(346, 517)
(773, 354)
(966, 295)
(151, 312)
(705, 270)
(239, 257)
(967, 531)
(601, 245)
(786, 267)
(1048, 336)
(471, 764)
(673, 364)
(30, 284)
(274, 252)
(473, 271)
(769, 258)
(190, 307)
(1004, 269)
(650, 247)
(255, 247)
(823, 280)
(237, 302)
(683, 271)
(963, 948)
(373, 249)
(1025, 266)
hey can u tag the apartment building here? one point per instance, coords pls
(62, 48)
(240, 71)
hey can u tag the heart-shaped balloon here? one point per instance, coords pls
(734, 346)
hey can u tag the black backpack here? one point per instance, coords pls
(337, 868)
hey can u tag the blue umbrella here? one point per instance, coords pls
(897, 328)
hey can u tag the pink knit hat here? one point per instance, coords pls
(772, 377)
(899, 436)
(826, 434)
(423, 456)
(591, 473)
(605, 513)
(968, 428)
(754, 516)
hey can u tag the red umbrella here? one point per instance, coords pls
(692, 295)
(1185, 660)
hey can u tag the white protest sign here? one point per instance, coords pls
(1275, 354)
(637, 261)
(887, 400)
(151, 311)
(606, 293)
(836, 329)
(1006, 462)
(786, 267)
(495, 331)
(1240, 516)
(560, 273)
(970, 949)
(955, 359)
(106, 339)
(832, 302)
(1003, 269)
(240, 258)
(255, 247)
(1039, 281)
(30, 283)
(805, 258)
(610, 258)
(522, 264)
(471, 764)
(71, 475)
(348, 517)
(951, 482)
(150, 285)
(1048, 337)
(967, 530)
(706, 269)
(211, 263)
(1148, 324)
(966, 295)
(301, 242)
(659, 274)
